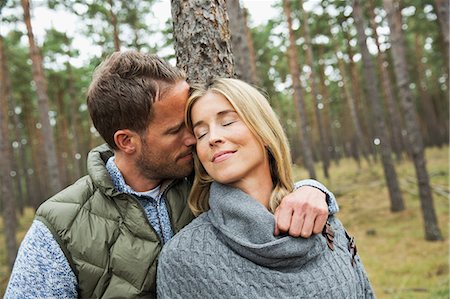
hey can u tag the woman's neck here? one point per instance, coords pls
(260, 188)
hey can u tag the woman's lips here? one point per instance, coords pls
(221, 156)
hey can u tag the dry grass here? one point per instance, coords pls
(399, 262)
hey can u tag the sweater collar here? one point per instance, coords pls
(247, 227)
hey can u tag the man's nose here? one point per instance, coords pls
(189, 138)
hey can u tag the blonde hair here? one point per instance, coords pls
(254, 110)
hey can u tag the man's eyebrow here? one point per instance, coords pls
(221, 113)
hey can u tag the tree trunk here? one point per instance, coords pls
(62, 133)
(239, 42)
(50, 158)
(18, 159)
(251, 48)
(395, 126)
(435, 132)
(315, 94)
(202, 39)
(432, 231)
(8, 200)
(354, 90)
(348, 86)
(298, 95)
(37, 177)
(75, 124)
(326, 99)
(23, 158)
(442, 12)
(115, 26)
(373, 96)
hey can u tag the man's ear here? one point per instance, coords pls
(127, 141)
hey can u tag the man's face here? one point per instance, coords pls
(166, 151)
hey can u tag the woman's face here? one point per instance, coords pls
(228, 150)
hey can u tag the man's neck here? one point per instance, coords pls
(133, 177)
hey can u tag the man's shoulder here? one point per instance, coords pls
(68, 200)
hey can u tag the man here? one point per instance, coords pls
(101, 236)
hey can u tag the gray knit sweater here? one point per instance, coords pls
(230, 252)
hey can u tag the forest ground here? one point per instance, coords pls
(399, 262)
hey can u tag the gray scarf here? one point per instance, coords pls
(230, 252)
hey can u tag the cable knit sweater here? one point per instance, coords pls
(230, 252)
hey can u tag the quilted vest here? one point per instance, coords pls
(106, 236)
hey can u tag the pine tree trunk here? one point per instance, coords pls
(354, 115)
(373, 96)
(394, 122)
(23, 158)
(115, 26)
(239, 42)
(251, 48)
(62, 130)
(202, 39)
(75, 123)
(326, 99)
(8, 200)
(19, 159)
(50, 158)
(361, 104)
(432, 231)
(442, 12)
(38, 182)
(298, 98)
(435, 132)
(314, 90)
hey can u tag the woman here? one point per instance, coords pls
(229, 250)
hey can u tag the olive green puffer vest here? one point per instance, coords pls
(105, 235)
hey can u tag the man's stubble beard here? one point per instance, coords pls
(152, 168)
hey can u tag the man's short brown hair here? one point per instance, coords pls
(123, 89)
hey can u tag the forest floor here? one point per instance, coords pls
(399, 262)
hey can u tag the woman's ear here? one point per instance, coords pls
(127, 141)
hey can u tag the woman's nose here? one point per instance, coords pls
(215, 137)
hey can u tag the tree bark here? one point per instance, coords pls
(8, 200)
(442, 12)
(239, 42)
(373, 96)
(436, 134)
(432, 231)
(62, 133)
(326, 99)
(363, 144)
(50, 158)
(354, 115)
(251, 48)
(298, 97)
(315, 94)
(394, 120)
(75, 124)
(115, 25)
(202, 39)
(38, 183)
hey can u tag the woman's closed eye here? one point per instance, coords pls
(227, 123)
(199, 134)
